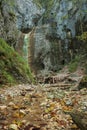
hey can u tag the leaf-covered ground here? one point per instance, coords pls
(44, 106)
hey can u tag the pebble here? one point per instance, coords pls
(69, 103)
(13, 127)
(3, 107)
(23, 93)
(85, 103)
(22, 112)
(11, 104)
(2, 117)
(3, 98)
(23, 122)
(83, 108)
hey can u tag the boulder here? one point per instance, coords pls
(80, 119)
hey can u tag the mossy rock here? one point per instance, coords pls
(13, 68)
(73, 65)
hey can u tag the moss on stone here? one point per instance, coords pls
(46, 4)
(13, 68)
(10, 2)
(74, 64)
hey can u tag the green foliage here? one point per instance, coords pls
(82, 37)
(13, 68)
(10, 2)
(74, 64)
(44, 3)
(8, 77)
(37, 3)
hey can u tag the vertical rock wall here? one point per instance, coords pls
(8, 30)
(45, 54)
(53, 41)
(55, 38)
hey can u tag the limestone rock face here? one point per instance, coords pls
(46, 55)
(8, 30)
(55, 38)
(27, 14)
(17, 15)
(68, 13)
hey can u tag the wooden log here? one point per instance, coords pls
(56, 78)
(61, 85)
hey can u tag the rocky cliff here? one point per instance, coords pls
(15, 17)
(60, 34)
(55, 30)
(8, 30)
(27, 14)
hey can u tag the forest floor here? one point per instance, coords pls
(44, 106)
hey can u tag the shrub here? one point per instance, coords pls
(74, 64)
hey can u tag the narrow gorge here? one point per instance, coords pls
(43, 64)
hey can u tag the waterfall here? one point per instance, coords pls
(25, 47)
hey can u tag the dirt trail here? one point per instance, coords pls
(44, 106)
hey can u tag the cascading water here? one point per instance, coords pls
(25, 47)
